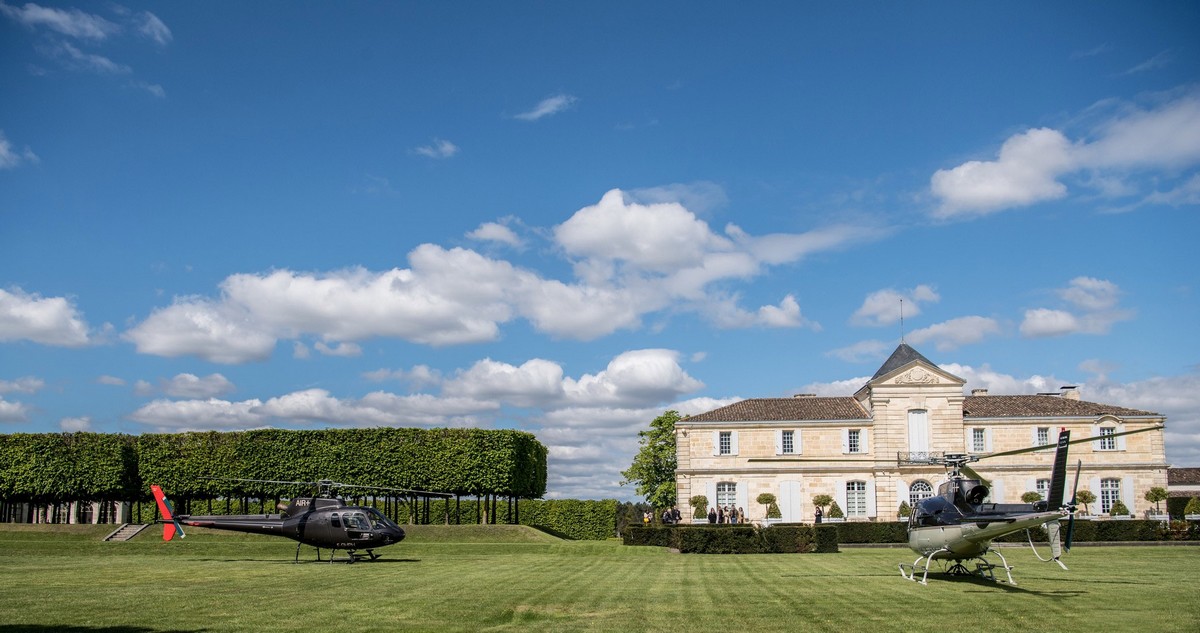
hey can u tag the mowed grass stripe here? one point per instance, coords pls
(433, 583)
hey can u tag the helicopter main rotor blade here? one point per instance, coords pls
(970, 472)
(1030, 449)
(428, 493)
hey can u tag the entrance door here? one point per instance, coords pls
(790, 502)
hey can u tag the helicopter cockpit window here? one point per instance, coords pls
(378, 520)
(335, 521)
(356, 521)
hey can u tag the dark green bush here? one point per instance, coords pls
(827, 539)
(872, 532)
(652, 536)
(788, 539)
(735, 539)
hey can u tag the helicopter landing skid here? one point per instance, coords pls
(983, 568)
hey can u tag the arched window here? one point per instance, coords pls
(918, 490)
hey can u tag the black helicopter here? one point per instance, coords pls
(321, 521)
(957, 526)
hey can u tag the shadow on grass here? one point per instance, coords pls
(58, 628)
(311, 561)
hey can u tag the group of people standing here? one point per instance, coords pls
(726, 514)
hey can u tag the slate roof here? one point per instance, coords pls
(1041, 407)
(781, 409)
(899, 358)
(1183, 476)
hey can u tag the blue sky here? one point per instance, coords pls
(568, 219)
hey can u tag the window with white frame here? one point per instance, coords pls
(725, 443)
(1043, 436)
(978, 440)
(856, 498)
(854, 441)
(1107, 441)
(1110, 492)
(787, 442)
(727, 494)
(1043, 488)
(919, 490)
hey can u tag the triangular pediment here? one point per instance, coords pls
(908, 367)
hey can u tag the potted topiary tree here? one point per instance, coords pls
(1085, 497)
(1156, 495)
(773, 513)
(904, 512)
(700, 511)
(1191, 511)
(1031, 497)
(835, 513)
(1118, 510)
(821, 502)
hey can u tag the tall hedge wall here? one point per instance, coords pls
(69, 466)
(54, 467)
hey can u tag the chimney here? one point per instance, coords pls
(1070, 392)
(805, 395)
(979, 392)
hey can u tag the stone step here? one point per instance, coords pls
(125, 532)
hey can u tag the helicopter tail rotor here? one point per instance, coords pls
(170, 523)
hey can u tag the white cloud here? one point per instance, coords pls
(11, 158)
(630, 260)
(955, 333)
(1025, 172)
(111, 381)
(439, 148)
(882, 307)
(1030, 164)
(1158, 61)
(13, 411)
(338, 349)
(1096, 305)
(90, 62)
(75, 425)
(197, 415)
(192, 386)
(26, 384)
(150, 26)
(49, 321)
(218, 332)
(495, 232)
(420, 376)
(300, 350)
(698, 197)
(861, 352)
(548, 106)
(73, 22)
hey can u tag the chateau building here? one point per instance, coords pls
(857, 448)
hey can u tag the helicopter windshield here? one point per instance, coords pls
(378, 520)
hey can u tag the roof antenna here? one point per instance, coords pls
(902, 321)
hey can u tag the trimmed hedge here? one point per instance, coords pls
(737, 539)
(872, 532)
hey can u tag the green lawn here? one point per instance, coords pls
(505, 578)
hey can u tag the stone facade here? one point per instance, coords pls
(857, 448)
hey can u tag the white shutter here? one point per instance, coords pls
(1095, 508)
(969, 441)
(742, 495)
(711, 492)
(797, 447)
(997, 493)
(1127, 494)
(778, 441)
(839, 493)
(901, 492)
(987, 440)
(1121, 442)
(716, 443)
(733, 444)
(789, 501)
(1033, 440)
(1096, 446)
(845, 441)
(871, 498)
(863, 445)
(1031, 485)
